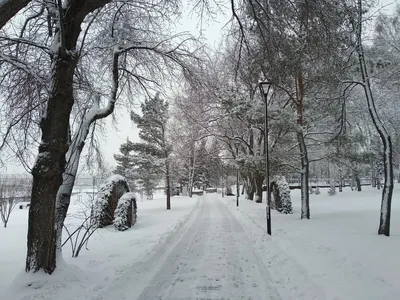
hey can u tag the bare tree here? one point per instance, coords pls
(130, 41)
(6, 207)
(13, 189)
(387, 193)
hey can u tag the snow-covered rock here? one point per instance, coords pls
(125, 213)
(107, 200)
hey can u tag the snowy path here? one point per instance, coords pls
(213, 260)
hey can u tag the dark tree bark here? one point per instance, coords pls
(340, 180)
(250, 189)
(50, 164)
(10, 8)
(358, 182)
(258, 180)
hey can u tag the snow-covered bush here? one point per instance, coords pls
(107, 200)
(281, 192)
(125, 213)
(317, 191)
(332, 190)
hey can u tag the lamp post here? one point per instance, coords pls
(265, 88)
(222, 163)
(237, 144)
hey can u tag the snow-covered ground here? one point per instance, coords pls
(337, 254)
(110, 252)
(207, 248)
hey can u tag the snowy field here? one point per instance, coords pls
(337, 254)
(110, 252)
(207, 248)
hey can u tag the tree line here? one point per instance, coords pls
(67, 65)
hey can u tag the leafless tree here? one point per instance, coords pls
(13, 189)
(53, 54)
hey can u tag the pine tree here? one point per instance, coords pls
(153, 132)
(142, 170)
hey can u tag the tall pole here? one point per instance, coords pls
(266, 132)
(222, 180)
(237, 177)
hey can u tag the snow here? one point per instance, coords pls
(110, 252)
(337, 254)
(207, 248)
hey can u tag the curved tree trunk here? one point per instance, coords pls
(387, 193)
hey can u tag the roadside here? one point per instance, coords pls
(335, 255)
(110, 253)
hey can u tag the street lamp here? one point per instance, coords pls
(265, 88)
(222, 164)
(237, 144)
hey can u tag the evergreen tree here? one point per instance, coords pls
(153, 133)
(142, 171)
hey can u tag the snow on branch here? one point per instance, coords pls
(25, 68)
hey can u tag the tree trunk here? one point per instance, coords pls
(340, 180)
(49, 167)
(50, 163)
(250, 188)
(305, 197)
(305, 168)
(358, 182)
(387, 193)
(9, 9)
(65, 191)
(259, 179)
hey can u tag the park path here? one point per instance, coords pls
(214, 259)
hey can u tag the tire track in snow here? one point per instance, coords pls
(213, 260)
(292, 280)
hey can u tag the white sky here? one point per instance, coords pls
(211, 29)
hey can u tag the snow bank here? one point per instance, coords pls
(337, 254)
(110, 254)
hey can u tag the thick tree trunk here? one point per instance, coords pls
(250, 188)
(258, 180)
(387, 193)
(50, 163)
(49, 167)
(9, 9)
(340, 180)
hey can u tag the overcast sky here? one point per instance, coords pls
(210, 29)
